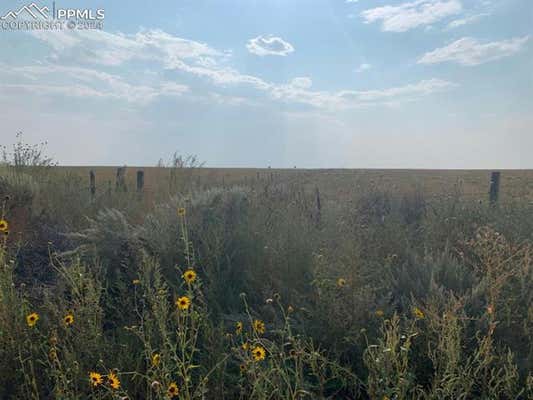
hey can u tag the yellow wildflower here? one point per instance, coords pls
(95, 378)
(418, 313)
(68, 319)
(113, 381)
(181, 212)
(156, 359)
(4, 226)
(341, 282)
(259, 326)
(173, 390)
(238, 327)
(31, 319)
(183, 303)
(258, 353)
(189, 276)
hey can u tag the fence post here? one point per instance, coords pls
(92, 183)
(494, 191)
(140, 180)
(318, 206)
(121, 179)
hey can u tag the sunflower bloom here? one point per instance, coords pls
(31, 319)
(341, 282)
(181, 212)
(418, 313)
(183, 303)
(95, 379)
(68, 319)
(113, 381)
(173, 390)
(238, 327)
(379, 313)
(245, 346)
(258, 353)
(189, 276)
(4, 226)
(136, 282)
(259, 326)
(156, 359)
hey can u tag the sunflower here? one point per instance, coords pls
(156, 359)
(379, 313)
(418, 313)
(259, 326)
(95, 379)
(183, 303)
(113, 381)
(189, 276)
(181, 212)
(31, 319)
(136, 282)
(238, 327)
(173, 390)
(4, 226)
(245, 346)
(242, 367)
(68, 319)
(258, 353)
(341, 282)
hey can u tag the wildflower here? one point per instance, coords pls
(259, 326)
(4, 226)
(52, 354)
(258, 353)
(181, 211)
(155, 385)
(292, 353)
(183, 303)
(418, 313)
(269, 301)
(95, 378)
(290, 309)
(238, 327)
(242, 367)
(341, 282)
(189, 276)
(68, 319)
(245, 346)
(156, 359)
(136, 282)
(113, 380)
(31, 319)
(379, 313)
(173, 390)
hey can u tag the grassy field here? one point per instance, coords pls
(242, 284)
(333, 183)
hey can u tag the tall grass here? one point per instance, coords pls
(379, 297)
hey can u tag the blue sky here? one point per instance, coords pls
(318, 84)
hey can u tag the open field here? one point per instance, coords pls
(335, 184)
(250, 284)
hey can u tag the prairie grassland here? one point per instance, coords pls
(394, 285)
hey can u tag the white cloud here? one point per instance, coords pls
(269, 46)
(469, 51)
(165, 54)
(363, 67)
(411, 15)
(467, 20)
(302, 82)
(86, 83)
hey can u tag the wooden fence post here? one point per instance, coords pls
(494, 191)
(121, 179)
(140, 181)
(92, 183)
(318, 206)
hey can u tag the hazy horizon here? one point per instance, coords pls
(388, 84)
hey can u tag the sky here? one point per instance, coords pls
(281, 83)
